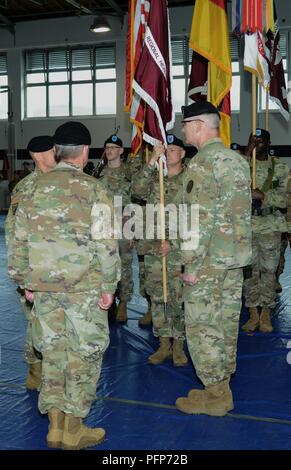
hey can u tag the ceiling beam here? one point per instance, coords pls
(113, 4)
(6, 20)
(80, 7)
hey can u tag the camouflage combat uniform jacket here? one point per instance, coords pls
(275, 196)
(218, 181)
(117, 181)
(145, 185)
(58, 243)
(23, 190)
(289, 206)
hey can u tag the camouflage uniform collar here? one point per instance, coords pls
(262, 163)
(37, 171)
(178, 174)
(67, 165)
(215, 140)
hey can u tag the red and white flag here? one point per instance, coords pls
(138, 11)
(255, 59)
(152, 78)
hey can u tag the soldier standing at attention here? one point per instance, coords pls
(268, 222)
(114, 176)
(133, 165)
(285, 238)
(146, 186)
(42, 152)
(67, 260)
(217, 179)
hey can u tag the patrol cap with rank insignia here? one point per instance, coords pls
(263, 133)
(198, 108)
(72, 133)
(173, 140)
(41, 143)
(113, 139)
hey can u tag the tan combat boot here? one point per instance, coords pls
(121, 312)
(33, 379)
(179, 357)
(56, 427)
(146, 319)
(215, 401)
(164, 352)
(200, 395)
(265, 321)
(254, 321)
(278, 286)
(77, 436)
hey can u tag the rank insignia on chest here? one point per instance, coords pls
(189, 186)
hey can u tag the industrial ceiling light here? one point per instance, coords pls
(100, 25)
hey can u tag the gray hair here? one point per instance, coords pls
(212, 121)
(64, 152)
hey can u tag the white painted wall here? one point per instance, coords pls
(73, 31)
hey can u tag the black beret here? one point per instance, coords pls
(113, 139)
(198, 108)
(39, 144)
(173, 140)
(72, 133)
(262, 133)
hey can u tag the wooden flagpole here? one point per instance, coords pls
(267, 108)
(147, 157)
(163, 236)
(254, 107)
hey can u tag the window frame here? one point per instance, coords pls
(69, 69)
(5, 88)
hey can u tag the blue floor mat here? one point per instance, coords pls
(135, 400)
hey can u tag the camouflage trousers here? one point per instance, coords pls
(142, 247)
(141, 267)
(125, 285)
(212, 310)
(174, 327)
(29, 352)
(259, 289)
(281, 265)
(72, 333)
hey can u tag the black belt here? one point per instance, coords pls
(268, 210)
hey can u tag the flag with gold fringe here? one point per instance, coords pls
(209, 38)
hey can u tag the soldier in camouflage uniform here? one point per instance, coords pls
(285, 238)
(41, 149)
(115, 178)
(268, 222)
(218, 181)
(146, 185)
(67, 260)
(134, 164)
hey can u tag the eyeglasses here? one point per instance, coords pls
(112, 147)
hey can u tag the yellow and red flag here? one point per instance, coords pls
(210, 39)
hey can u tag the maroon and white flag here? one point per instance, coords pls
(278, 92)
(152, 79)
(198, 82)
